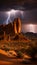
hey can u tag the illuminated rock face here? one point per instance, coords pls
(17, 25)
(10, 29)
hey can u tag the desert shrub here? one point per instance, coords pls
(32, 51)
(23, 50)
(5, 48)
(19, 54)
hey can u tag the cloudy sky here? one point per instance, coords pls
(27, 16)
(25, 9)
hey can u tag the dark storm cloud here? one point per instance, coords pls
(18, 4)
(27, 16)
(30, 16)
(3, 17)
(28, 6)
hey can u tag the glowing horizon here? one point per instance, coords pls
(29, 28)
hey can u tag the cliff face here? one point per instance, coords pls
(7, 29)
(11, 29)
(17, 25)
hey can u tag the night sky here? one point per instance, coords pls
(27, 11)
(27, 16)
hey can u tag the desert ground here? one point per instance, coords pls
(10, 49)
(15, 62)
(8, 60)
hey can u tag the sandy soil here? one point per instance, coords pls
(15, 62)
(4, 60)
